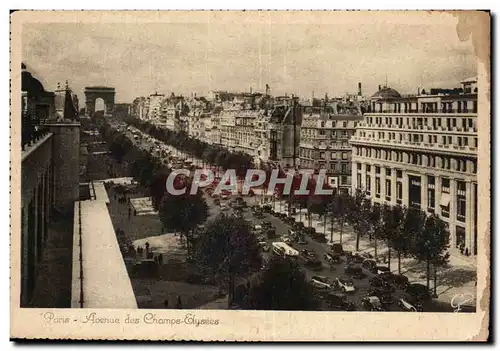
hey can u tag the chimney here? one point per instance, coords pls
(267, 89)
(359, 89)
(250, 90)
(379, 87)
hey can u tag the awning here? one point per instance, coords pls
(445, 200)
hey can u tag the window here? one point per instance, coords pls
(359, 166)
(399, 192)
(333, 155)
(377, 187)
(358, 180)
(445, 185)
(399, 173)
(344, 124)
(322, 155)
(388, 172)
(368, 183)
(461, 201)
(431, 199)
(368, 168)
(343, 179)
(333, 166)
(344, 168)
(388, 189)
(344, 155)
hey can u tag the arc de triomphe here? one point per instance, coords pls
(93, 93)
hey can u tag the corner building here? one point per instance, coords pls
(421, 151)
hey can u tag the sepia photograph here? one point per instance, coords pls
(201, 170)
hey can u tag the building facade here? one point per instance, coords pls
(324, 144)
(421, 151)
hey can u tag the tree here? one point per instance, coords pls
(339, 207)
(183, 213)
(281, 286)
(359, 214)
(158, 188)
(376, 225)
(228, 249)
(395, 234)
(432, 244)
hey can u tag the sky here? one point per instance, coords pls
(139, 59)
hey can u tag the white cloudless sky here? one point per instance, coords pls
(327, 57)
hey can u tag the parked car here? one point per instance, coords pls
(267, 208)
(372, 303)
(398, 280)
(345, 284)
(257, 228)
(337, 249)
(321, 282)
(310, 231)
(286, 239)
(369, 265)
(332, 258)
(301, 240)
(264, 246)
(320, 238)
(378, 283)
(381, 270)
(354, 257)
(266, 224)
(354, 271)
(418, 292)
(406, 305)
(339, 301)
(289, 220)
(385, 295)
(299, 226)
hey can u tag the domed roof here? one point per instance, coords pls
(386, 93)
(31, 84)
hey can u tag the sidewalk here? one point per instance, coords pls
(458, 277)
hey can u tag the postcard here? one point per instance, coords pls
(250, 175)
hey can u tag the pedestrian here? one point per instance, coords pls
(179, 303)
(135, 212)
(129, 212)
(160, 259)
(466, 251)
(165, 303)
(462, 249)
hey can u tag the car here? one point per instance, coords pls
(264, 246)
(310, 231)
(320, 238)
(398, 280)
(321, 282)
(267, 208)
(354, 271)
(301, 240)
(418, 291)
(332, 258)
(345, 284)
(372, 303)
(406, 305)
(381, 270)
(378, 283)
(355, 258)
(339, 301)
(337, 249)
(286, 239)
(299, 226)
(257, 228)
(266, 224)
(369, 265)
